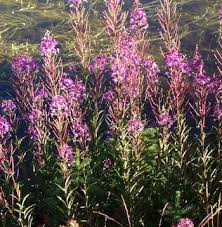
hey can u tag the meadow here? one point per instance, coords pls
(110, 113)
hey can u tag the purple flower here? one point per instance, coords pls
(135, 126)
(138, 20)
(59, 106)
(196, 63)
(202, 79)
(80, 131)
(106, 166)
(40, 94)
(165, 120)
(23, 64)
(65, 152)
(119, 72)
(220, 13)
(5, 127)
(218, 112)
(98, 64)
(150, 66)
(185, 222)
(8, 106)
(75, 89)
(176, 61)
(108, 96)
(35, 132)
(34, 115)
(48, 45)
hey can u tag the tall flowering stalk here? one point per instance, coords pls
(168, 20)
(81, 31)
(15, 202)
(51, 67)
(24, 69)
(138, 25)
(115, 20)
(201, 108)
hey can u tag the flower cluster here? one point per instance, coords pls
(218, 112)
(65, 152)
(106, 166)
(176, 61)
(33, 118)
(185, 222)
(75, 89)
(138, 20)
(5, 127)
(135, 126)
(8, 106)
(98, 65)
(165, 120)
(196, 63)
(59, 106)
(151, 71)
(80, 131)
(48, 45)
(23, 64)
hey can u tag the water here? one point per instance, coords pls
(23, 22)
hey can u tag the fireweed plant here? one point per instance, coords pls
(114, 140)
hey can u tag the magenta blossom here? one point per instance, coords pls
(35, 132)
(59, 106)
(65, 152)
(5, 127)
(176, 61)
(106, 166)
(98, 64)
(185, 222)
(75, 89)
(8, 106)
(23, 64)
(138, 20)
(135, 126)
(165, 120)
(80, 131)
(48, 45)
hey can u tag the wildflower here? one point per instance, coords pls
(218, 112)
(74, 88)
(202, 79)
(185, 222)
(40, 93)
(35, 132)
(108, 96)
(106, 166)
(5, 127)
(23, 64)
(48, 45)
(34, 115)
(176, 61)
(138, 20)
(98, 64)
(135, 126)
(165, 120)
(196, 63)
(65, 152)
(150, 66)
(80, 131)
(59, 106)
(8, 106)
